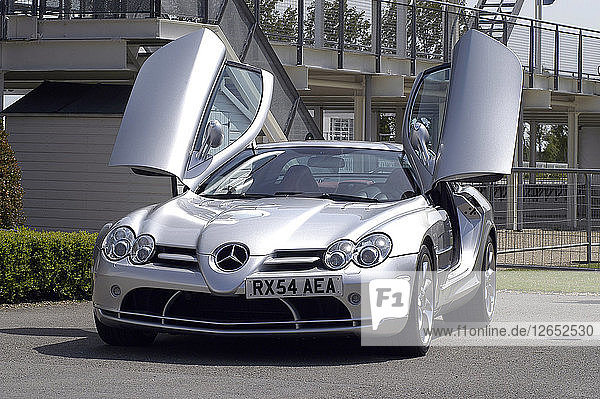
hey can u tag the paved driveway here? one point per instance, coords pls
(52, 350)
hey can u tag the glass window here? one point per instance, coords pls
(340, 129)
(236, 98)
(336, 173)
(427, 116)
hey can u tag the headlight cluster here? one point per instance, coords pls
(121, 242)
(339, 254)
(368, 252)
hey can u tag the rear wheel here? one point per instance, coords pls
(123, 336)
(480, 309)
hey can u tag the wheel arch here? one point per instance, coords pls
(428, 242)
(492, 234)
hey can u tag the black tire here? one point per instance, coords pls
(117, 336)
(477, 312)
(408, 342)
(418, 344)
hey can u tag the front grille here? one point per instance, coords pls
(290, 260)
(211, 312)
(280, 261)
(176, 257)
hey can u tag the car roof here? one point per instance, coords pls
(385, 146)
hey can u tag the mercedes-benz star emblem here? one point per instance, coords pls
(231, 257)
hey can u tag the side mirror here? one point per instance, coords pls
(420, 140)
(214, 133)
(213, 138)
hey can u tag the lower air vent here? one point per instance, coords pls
(207, 312)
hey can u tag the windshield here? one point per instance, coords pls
(339, 174)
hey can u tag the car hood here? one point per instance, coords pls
(264, 225)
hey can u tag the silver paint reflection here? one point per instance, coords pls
(267, 225)
(480, 127)
(475, 133)
(166, 105)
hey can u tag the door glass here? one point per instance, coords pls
(234, 104)
(427, 116)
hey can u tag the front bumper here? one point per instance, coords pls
(178, 300)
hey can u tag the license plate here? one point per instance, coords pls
(293, 286)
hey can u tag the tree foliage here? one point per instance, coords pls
(551, 143)
(556, 149)
(429, 26)
(387, 127)
(11, 191)
(389, 18)
(281, 23)
(276, 21)
(357, 28)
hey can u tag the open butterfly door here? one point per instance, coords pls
(461, 123)
(190, 110)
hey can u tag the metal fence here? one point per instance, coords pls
(427, 29)
(547, 217)
(197, 10)
(414, 29)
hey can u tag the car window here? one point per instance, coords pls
(235, 179)
(427, 115)
(235, 102)
(313, 171)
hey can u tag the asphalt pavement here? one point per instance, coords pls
(52, 350)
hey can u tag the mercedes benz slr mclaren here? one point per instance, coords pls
(281, 238)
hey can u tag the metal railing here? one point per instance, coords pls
(547, 217)
(412, 29)
(387, 27)
(196, 10)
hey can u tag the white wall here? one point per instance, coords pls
(67, 183)
(589, 147)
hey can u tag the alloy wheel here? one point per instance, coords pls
(425, 300)
(489, 279)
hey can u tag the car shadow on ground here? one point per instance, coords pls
(216, 351)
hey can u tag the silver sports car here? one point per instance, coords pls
(283, 238)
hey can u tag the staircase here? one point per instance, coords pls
(497, 26)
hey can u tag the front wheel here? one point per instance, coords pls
(480, 309)
(420, 319)
(124, 336)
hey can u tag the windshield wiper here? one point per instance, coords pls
(237, 196)
(331, 196)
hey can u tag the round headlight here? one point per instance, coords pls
(372, 250)
(118, 243)
(142, 250)
(339, 254)
(368, 255)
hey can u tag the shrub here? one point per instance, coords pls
(11, 192)
(45, 265)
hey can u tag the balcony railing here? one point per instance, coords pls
(415, 30)
(197, 10)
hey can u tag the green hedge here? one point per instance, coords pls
(45, 265)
